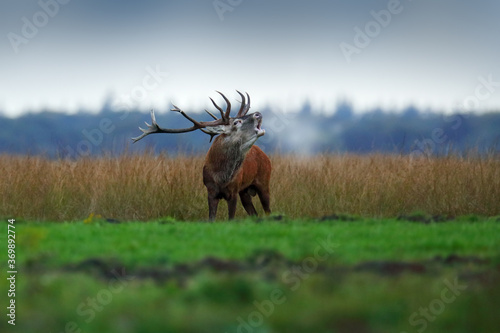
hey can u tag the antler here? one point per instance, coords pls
(205, 126)
(244, 107)
(225, 115)
(208, 127)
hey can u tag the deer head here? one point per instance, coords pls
(243, 127)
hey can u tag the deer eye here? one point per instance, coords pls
(236, 122)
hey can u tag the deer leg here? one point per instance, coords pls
(246, 200)
(231, 205)
(264, 200)
(213, 202)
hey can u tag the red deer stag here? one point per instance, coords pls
(233, 165)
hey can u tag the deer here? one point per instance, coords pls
(233, 166)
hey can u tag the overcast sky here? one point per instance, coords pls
(79, 53)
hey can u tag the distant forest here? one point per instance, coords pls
(58, 135)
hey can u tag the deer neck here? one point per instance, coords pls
(225, 158)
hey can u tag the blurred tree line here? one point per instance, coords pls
(306, 132)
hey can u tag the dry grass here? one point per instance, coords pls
(146, 187)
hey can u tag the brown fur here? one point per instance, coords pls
(228, 173)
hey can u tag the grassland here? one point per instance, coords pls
(145, 187)
(276, 275)
(370, 243)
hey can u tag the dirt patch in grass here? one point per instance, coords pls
(418, 218)
(338, 217)
(390, 268)
(271, 265)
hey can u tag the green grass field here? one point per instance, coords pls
(341, 274)
(150, 265)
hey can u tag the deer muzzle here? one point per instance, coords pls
(260, 131)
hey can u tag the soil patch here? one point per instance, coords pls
(271, 265)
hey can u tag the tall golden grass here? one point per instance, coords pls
(142, 187)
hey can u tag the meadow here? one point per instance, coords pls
(373, 243)
(351, 275)
(145, 187)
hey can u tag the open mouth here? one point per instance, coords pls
(259, 130)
